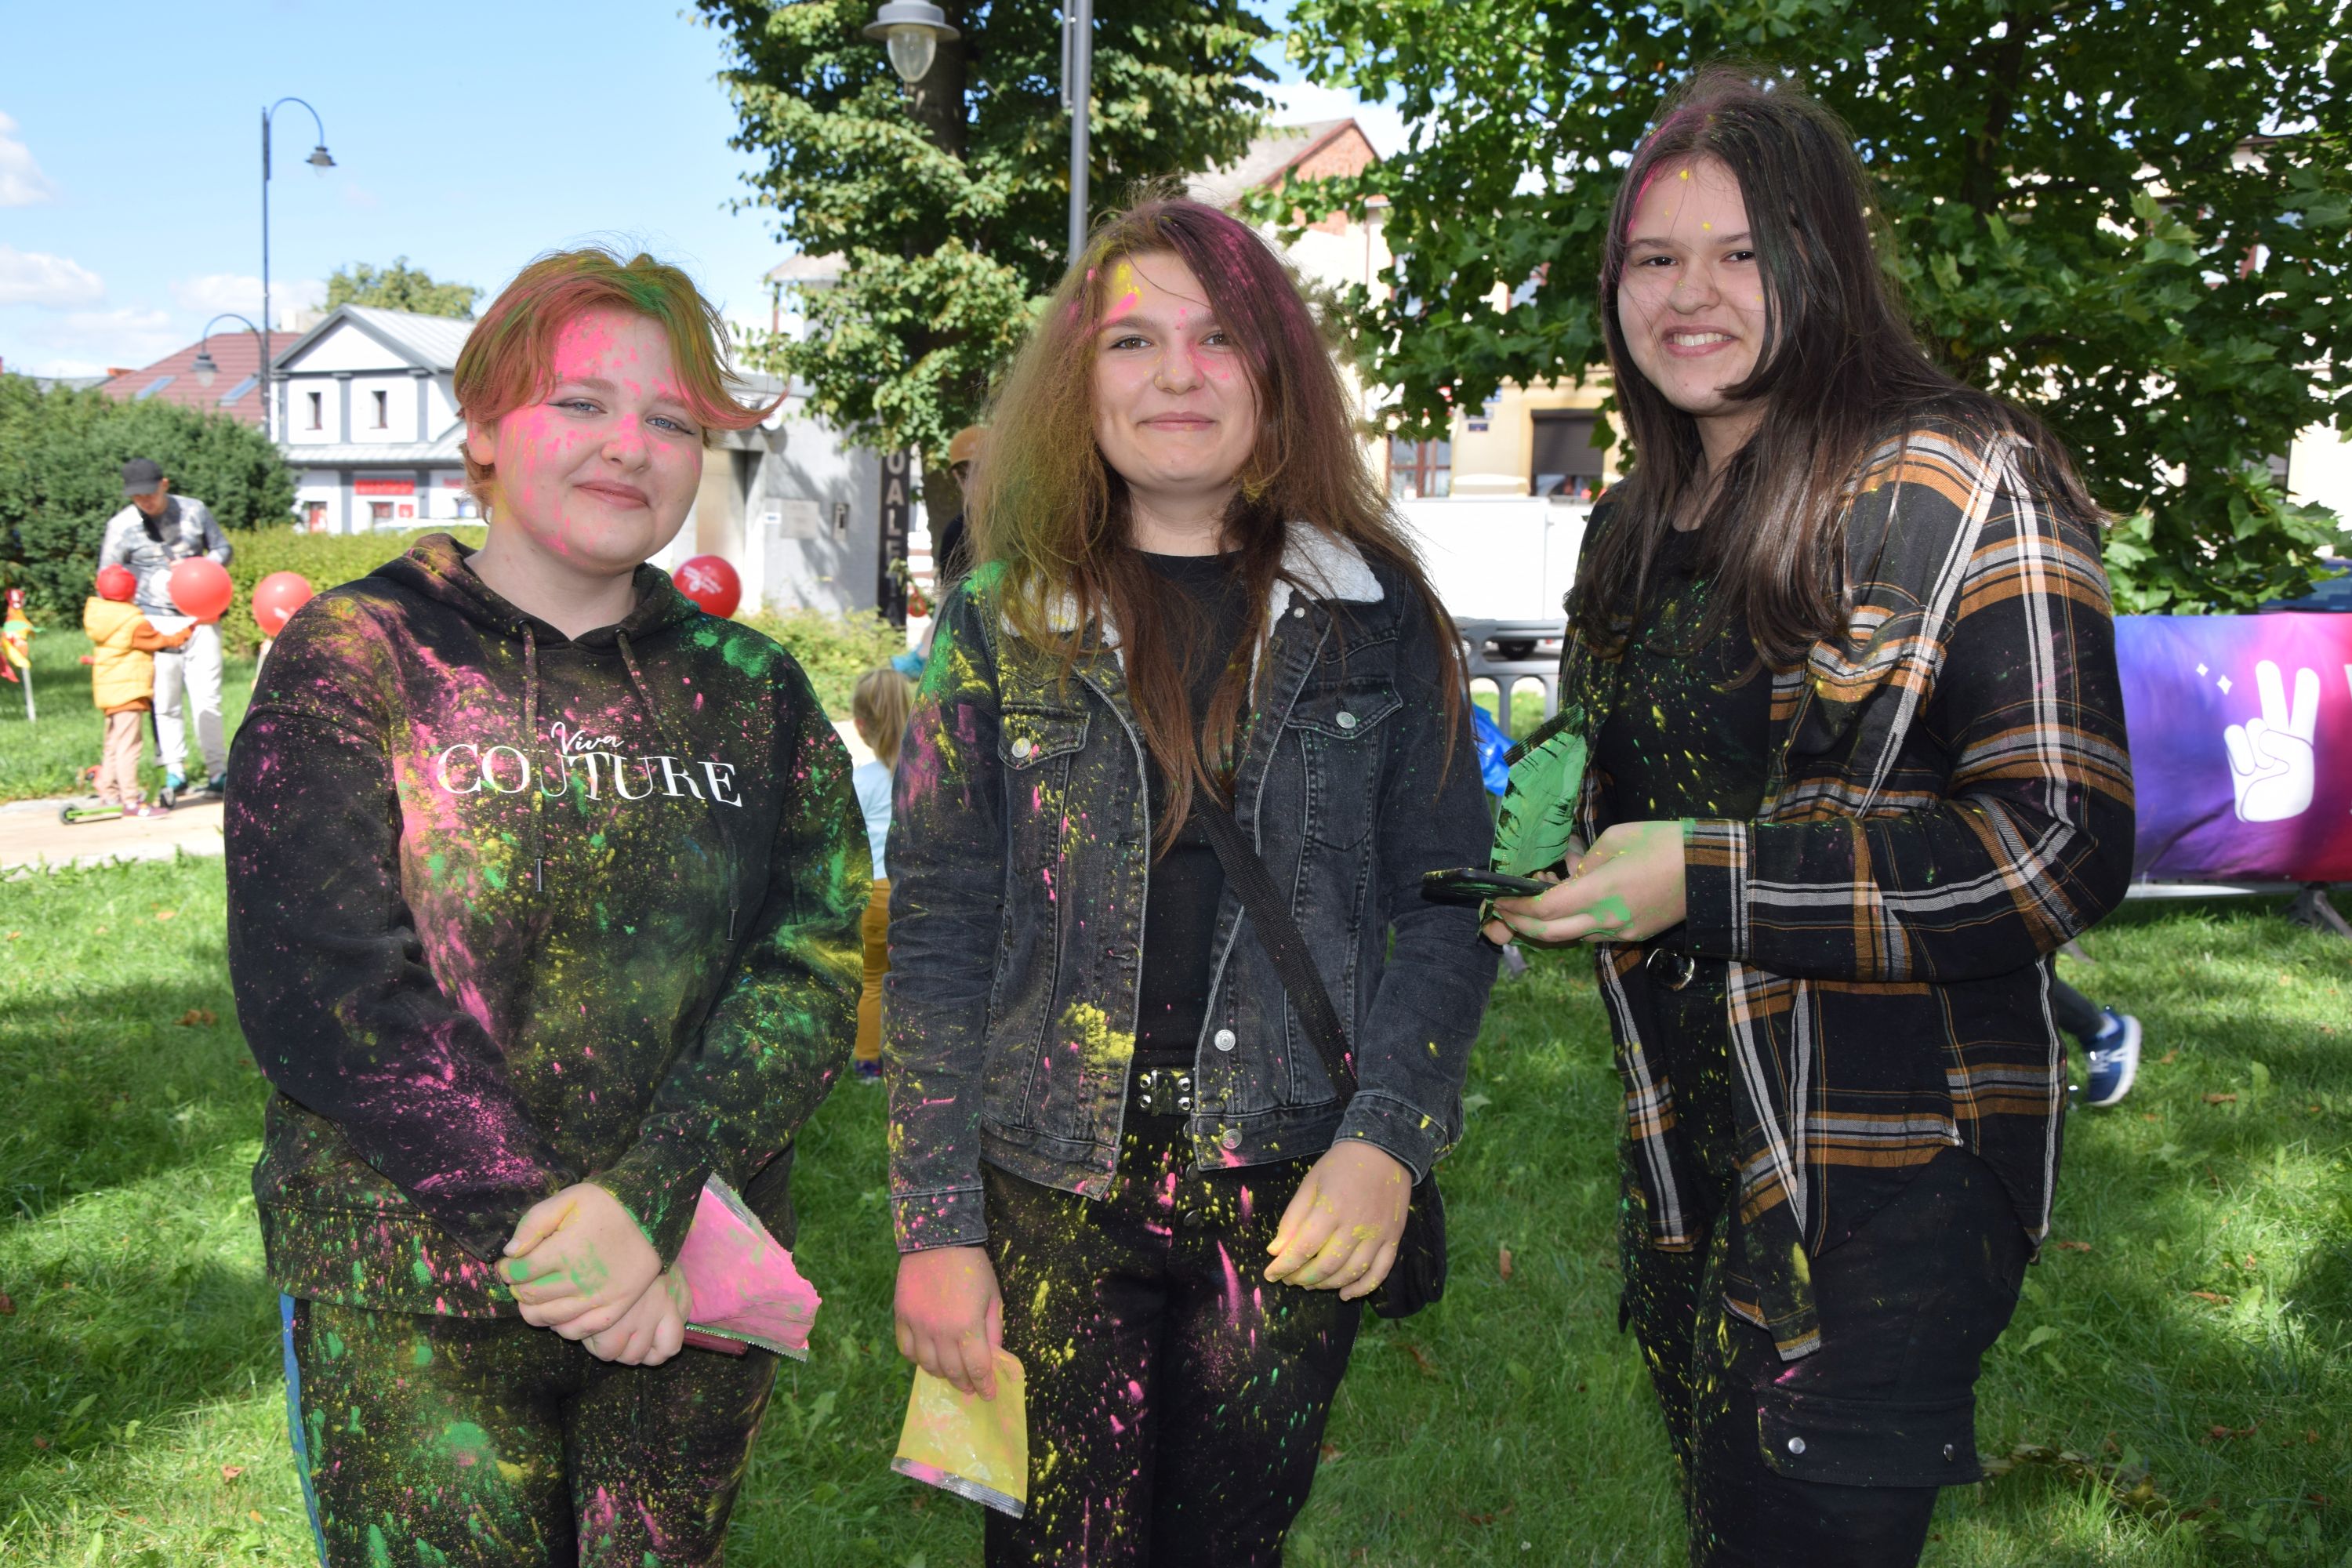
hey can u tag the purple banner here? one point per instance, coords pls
(2241, 745)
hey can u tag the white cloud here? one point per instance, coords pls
(1296, 102)
(83, 342)
(22, 183)
(36, 278)
(216, 292)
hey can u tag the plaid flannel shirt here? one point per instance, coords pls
(1949, 800)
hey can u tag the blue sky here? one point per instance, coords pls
(129, 205)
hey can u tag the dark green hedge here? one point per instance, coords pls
(62, 456)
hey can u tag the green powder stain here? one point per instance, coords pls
(334, 1345)
(423, 1354)
(422, 1270)
(378, 1550)
(466, 1441)
(1613, 912)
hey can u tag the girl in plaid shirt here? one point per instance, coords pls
(1843, 650)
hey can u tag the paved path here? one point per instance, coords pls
(31, 834)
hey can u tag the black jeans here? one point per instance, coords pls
(1176, 1400)
(1833, 1460)
(2076, 1013)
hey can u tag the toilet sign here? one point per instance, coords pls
(890, 563)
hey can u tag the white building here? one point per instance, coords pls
(367, 419)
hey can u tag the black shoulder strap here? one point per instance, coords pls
(1278, 934)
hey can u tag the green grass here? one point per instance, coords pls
(140, 1366)
(43, 759)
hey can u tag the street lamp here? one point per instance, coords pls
(205, 370)
(319, 159)
(911, 31)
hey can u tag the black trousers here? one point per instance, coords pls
(2076, 1013)
(1176, 1400)
(1833, 1460)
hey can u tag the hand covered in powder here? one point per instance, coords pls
(1340, 1230)
(652, 1330)
(950, 1315)
(1628, 887)
(578, 1261)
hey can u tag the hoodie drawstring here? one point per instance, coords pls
(531, 739)
(653, 711)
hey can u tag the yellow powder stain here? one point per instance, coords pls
(1037, 1306)
(510, 1473)
(1685, 174)
(1802, 1264)
(1101, 1048)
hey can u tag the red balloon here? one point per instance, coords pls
(709, 582)
(201, 588)
(276, 598)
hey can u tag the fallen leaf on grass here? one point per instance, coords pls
(2218, 1432)
(2213, 1296)
(2150, 1116)
(7, 1305)
(166, 914)
(15, 934)
(2220, 1100)
(1420, 1359)
(1503, 1261)
(2073, 1247)
(1469, 1517)
(1327, 1454)
(41, 1442)
(2167, 1059)
(196, 1017)
(255, 1514)
(230, 1472)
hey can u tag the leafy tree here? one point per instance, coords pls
(2133, 218)
(950, 201)
(62, 456)
(400, 286)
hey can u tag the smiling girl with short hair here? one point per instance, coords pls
(543, 900)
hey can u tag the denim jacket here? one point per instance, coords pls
(1020, 849)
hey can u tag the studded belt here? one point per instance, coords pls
(1164, 1091)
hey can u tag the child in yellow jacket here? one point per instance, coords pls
(123, 644)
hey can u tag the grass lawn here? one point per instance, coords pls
(2178, 1379)
(44, 759)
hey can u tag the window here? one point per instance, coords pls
(1567, 464)
(318, 410)
(1420, 470)
(383, 410)
(379, 513)
(314, 512)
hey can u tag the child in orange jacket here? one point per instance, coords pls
(123, 644)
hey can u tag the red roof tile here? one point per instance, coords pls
(173, 378)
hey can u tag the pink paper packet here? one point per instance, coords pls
(746, 1290)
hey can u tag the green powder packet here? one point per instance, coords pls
(1538, 816)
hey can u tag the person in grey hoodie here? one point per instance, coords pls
(544, 890)
(155, 534)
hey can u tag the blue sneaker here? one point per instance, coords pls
(866, 1072)
(2113, 1055)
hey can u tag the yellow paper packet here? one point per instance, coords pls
(975, 1447)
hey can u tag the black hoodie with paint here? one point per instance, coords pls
(509, 911)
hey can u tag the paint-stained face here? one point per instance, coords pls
(601, 471)
(1174, 411)
(1691, 302)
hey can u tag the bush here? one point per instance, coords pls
(327, 560)
(62, 456)
(835, 649)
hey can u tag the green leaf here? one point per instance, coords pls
(2039, 1337)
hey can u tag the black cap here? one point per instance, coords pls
(141, 476)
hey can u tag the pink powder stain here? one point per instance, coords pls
(1233, 1284)
(1134, 1392)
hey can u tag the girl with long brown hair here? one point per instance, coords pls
(1117, 1151)
(1844, 650)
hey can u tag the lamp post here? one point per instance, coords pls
(912, 31)
(319, 159)
(206, 372)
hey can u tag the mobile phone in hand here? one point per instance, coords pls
(1469, 885)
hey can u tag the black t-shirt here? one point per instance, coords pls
(1180, 913)
(1688, 733)
(1689, 729)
